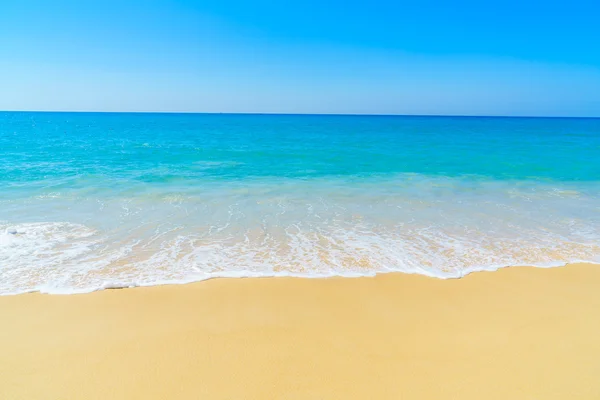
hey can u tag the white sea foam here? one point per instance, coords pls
(299, 229)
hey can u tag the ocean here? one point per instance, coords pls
(90, 201)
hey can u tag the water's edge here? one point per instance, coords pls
(122, 285)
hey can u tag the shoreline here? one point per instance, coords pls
(516, 332)
(120, 286)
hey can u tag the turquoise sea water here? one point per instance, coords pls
(90, 201)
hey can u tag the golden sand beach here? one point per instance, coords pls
(517, 333)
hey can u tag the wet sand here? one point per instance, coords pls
(517, 333)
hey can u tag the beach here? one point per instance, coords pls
(516, 333)
(299, 200)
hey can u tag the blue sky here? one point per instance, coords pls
(374, 57)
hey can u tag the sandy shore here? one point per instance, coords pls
(518, 333)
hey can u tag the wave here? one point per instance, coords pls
(69, 258)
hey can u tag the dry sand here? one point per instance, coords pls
(518, 333)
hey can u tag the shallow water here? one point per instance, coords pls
(89, 201)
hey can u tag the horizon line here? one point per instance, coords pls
(298, 114)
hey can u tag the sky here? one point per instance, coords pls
(462, 57)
